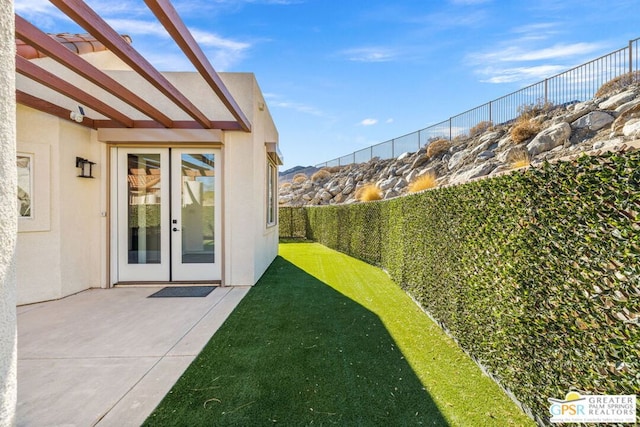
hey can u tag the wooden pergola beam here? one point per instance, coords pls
(84, 16)
(50, 80)
(42, 42)
(49, 108)
(167, 15)
(177, 124)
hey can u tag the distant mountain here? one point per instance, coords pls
(290, 173)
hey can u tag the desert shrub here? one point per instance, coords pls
(320, 175)
(519, 159)
(481, 127)
(333, 169)
(423, 182)
(299, 178)
(524, 129)
(438, 147)
(618, 83)
(368, 193)
(529, 111)
(285, 185)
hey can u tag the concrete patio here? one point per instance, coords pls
(107, 357)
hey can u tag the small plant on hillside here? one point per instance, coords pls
(369, 193)
(320, 175)
(438, 147)
(285, 185)
(523, 130)
(299, 178)
(480, 128)
(529, 111)
(423, 182)
(520, 159)
(333, 169)
(618, 83)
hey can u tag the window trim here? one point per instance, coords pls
(271, 194)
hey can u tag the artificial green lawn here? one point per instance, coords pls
(326, 339)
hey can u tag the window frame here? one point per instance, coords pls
(271, 194)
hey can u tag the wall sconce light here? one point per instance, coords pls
(85, 167)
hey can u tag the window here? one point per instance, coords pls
(24, 162)
(272, 193)
(33, 203)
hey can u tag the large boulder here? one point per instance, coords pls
(595, 120)
(388, 183)
(632, 128)
(617, 100)
(475, 172)
(420, 159)
(485, 155)
(549, 138)
(457, 158)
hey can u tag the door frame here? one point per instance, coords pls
(112, 231)
(196, 272)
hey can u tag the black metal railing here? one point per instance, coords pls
(575, 85)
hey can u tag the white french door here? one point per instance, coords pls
(168, 214)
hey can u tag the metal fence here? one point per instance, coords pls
(575, 85)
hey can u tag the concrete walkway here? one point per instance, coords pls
(107, 357)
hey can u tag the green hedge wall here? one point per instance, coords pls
(536, 274)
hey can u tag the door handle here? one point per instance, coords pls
(175, 229)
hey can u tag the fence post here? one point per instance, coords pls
(450, 135)
(490, 118)
(393, 148)
(631, 58)
(546, 98)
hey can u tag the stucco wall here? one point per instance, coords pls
(251, 246)
(8, 218)
(239, 206)
(62, 255)
(266, 245)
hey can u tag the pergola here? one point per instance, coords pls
(102, 111)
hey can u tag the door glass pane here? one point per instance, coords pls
(198, 180)
(143, 183)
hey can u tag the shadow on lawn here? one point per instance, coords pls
(297, 352)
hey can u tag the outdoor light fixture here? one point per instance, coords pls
(85, 167)
(77, 116)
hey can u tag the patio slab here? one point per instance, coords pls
(107, 357)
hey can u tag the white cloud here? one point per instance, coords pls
(275, 100)
(205, 38)
(389, 120)
(534, 54)
(368, 122)
(545, 28)
(521, 53)
(370, 54)
(40, 13)
(518, 74)
(138, 26)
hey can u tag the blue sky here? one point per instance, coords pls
(339, 76)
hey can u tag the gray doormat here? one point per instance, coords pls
(183, 291)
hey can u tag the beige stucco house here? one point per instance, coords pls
(127, 175)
